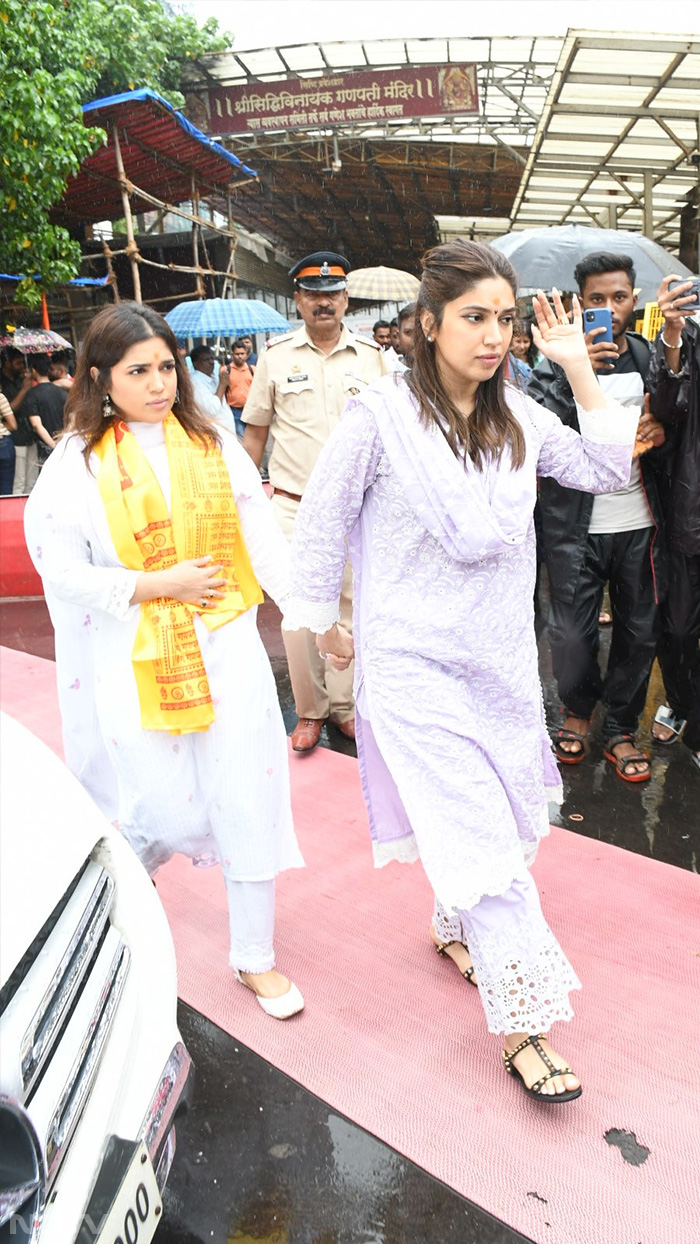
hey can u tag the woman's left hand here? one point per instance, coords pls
(561, 340)
(337, 647)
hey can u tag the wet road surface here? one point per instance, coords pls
(261, 1159)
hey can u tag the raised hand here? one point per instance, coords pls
(561, 340)
(675, 305)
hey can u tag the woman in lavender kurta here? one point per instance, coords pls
(431, 478)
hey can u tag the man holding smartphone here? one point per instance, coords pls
(589, 541)
(674, 384)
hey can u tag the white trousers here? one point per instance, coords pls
(523, 974)
(251, 913)
(26, 469)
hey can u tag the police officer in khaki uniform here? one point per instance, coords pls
(301, 384)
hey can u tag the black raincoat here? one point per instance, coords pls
(675, 400)
(566, 513)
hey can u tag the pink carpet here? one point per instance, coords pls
(394, 1039)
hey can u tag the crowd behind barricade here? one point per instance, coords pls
(459, 420)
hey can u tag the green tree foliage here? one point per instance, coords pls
(56, 55)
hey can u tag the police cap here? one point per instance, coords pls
(322, 270)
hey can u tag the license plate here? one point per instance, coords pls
(137, 1208)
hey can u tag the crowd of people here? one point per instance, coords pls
(400, 546)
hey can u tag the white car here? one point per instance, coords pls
(92, 1066)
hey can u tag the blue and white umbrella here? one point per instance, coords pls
(225, 317)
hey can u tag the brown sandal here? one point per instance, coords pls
(534, 1089)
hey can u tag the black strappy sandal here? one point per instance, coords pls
(623, 765)
(468, 973)
(534, 1089)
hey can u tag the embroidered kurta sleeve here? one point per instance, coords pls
(596, 461)
(330, 508)
(58, 534)
(266, 543)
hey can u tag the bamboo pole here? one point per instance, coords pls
(110, 271)
(132, 247)
(195, 239)
(187, 293)
(230, 281)
(178, 267)
(176, 211)
(71, 319)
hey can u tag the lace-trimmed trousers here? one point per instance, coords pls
(523, 974)
(251, 912)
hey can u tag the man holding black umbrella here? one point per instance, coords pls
(301, 384)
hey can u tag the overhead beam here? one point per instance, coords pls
(681, 47)
(521, 105)
(687, 150)
(623, 110)
(627, 79)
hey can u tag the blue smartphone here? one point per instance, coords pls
(598, 317)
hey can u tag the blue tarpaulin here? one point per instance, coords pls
(164, 154)
(76, 280)
(129, 96)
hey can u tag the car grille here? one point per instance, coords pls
(51, 1049)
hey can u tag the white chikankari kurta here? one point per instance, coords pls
(452, 745)
(224, 790)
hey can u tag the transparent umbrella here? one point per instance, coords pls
(35, 341)
(546, 257)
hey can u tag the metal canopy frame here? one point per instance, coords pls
(605, 128)
(397, 176)
(514, 78)
(618, 142)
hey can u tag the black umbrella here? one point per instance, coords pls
(546, 257)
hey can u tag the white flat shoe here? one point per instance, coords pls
(283, 1007)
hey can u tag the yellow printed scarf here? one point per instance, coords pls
(170, 676)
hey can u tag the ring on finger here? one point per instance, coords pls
(204, 603)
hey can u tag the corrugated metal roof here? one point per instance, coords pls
(162, 151)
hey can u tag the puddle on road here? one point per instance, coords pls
(629, 1147)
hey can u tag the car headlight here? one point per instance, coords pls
(22, 1175)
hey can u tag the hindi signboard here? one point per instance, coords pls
(342, 99)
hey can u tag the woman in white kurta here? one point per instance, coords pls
(211, 779)
(431, 478)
